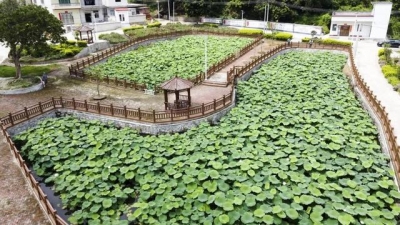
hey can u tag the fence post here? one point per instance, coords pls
(86, 106)
(188, 112)
(224, 99)
(61, 102)
(140, 116)
(54, 103)
(124, 83)
(154, 115)
(125, 112)
(112, 109)
(98, 107)
(215, 104)
(11, 119)
(40, 108)
(26, 112)
(73, 103)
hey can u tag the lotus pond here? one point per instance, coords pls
(297, 149)
(183, 57)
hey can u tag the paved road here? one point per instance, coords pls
(367, 63)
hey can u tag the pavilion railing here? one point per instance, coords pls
(186, 114)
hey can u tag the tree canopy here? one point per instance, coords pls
(27, 26)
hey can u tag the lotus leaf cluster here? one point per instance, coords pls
(297, 149)
(183, 57)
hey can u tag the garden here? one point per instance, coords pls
(183, 57)
(290, 152)
(390, 67)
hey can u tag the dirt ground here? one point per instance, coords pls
(17, 205)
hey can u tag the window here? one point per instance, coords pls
(42, 1)
(90, 2)
(133, 12)
(334, 27)
(96, 13)
(67, 18)
(359, 26)
(64, 2)
(112, 12)
(117, 0)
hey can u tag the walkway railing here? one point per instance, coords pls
(186, 114)
(77, 69)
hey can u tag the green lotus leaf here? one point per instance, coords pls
(224, 219)
(306, 199)
(259, 213)
(346, 219)
(247, 218)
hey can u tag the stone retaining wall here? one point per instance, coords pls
(32, 88)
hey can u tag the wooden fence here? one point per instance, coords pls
(77, 69)
(186, 114)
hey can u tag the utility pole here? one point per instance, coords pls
(169, 12)
(205, 58)
(94, 22)
(267, 14)
(356, 46)
(173, 11)
(158, 8)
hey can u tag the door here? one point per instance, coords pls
(88, 17)
(344, 30)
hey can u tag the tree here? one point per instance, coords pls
(27, 26)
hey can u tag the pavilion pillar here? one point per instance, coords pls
(189, 98)
(177, 99)
(166, 99)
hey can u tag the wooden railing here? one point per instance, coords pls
(78, 69)
(186, 114)
(50, 212)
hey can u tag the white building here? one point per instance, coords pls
(372, 25)
(44, 3)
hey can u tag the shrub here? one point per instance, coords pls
(269, 36)
(306, 39)
(154, 24)
(336, 42)
(81, 44)
(68, 52)
(113, 38)
(250, 32)
(393, 81)
(389, 71)
(382, 57)
(70, 42)
(283, 36)
(135, 27)
(381, 52)
(209, 25)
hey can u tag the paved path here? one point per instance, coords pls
(367, 63)
(3, 52)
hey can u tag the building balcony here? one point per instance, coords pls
(67, 4)
(91, 4)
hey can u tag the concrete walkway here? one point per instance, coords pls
(367, 63)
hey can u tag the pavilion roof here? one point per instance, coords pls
(176, 83)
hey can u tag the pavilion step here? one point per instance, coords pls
(215, 83)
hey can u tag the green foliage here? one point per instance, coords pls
(31, 71)
(283, 36)
(183, 57)
(381, 52)
(393, 80)
(154, 24)
(290, 152)
(335, 42)
(82, 44)
(387, 52)
(71, 42)
(27, 26)
(250, 32)
(114, 38)
(209, 25)
(389, 71)
(134, 27)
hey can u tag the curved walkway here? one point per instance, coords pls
(368, 66)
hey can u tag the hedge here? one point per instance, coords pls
(70, 42)
(81, 43)
(135, 27)
(283, 36)
(154, 24)
(207, 24)
(381, 52)
(113, 38)
(336, 42)
(389, 71)
(247, 31)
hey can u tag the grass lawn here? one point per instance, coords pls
(9, 71)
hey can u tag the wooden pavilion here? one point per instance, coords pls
(89, 33)
(177, 85)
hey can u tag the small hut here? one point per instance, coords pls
(177, 85)
(89, 33)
